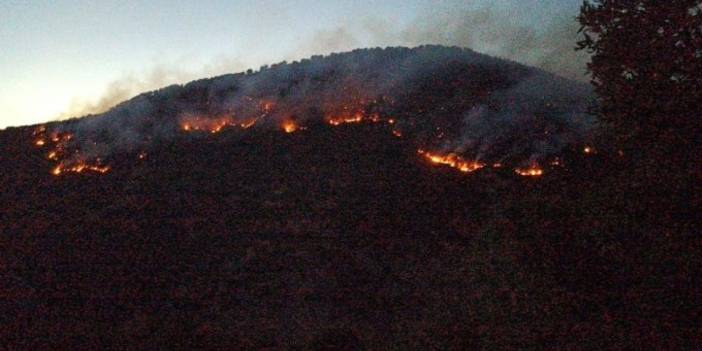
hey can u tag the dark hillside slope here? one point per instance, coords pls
(443, 98)
(340, 236)
(329, 236)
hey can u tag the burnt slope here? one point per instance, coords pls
(329, 236)
(446, 99)
(344, 236)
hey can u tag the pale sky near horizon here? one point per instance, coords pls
(63, 55)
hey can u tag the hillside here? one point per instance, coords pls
(338, 233)
(446, 100)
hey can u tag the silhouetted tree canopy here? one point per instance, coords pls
(647, 71)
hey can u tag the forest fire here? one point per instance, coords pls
(452, 160)
(60, 146)
(79, 168)
(289, 126)
(209, 125)
(360, 117)
(532, 171)
(336, 121)
(76, 163)
(247, 124)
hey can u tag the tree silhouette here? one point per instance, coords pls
(647, 71)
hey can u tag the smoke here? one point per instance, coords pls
(132, 84)
(536, 118)
(495, 33)
(444, 98)
(336, 40)
(486, 30)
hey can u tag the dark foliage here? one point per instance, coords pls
(646, 64)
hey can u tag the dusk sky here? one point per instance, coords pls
(65, 58)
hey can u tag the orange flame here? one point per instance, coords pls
(209, 125)
(39, 130)
(532, 171)
(79, 167)
(247, 124)
(60, 146)
(289, 126)
(267, 106)
(452, 160)
(356, 118)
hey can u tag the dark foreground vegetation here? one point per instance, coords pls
(345, 238)
(342, 238)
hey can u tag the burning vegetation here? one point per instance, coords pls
(434, 98)
(74, 162)
(532, 171)
(209, 125)
(289, 126)
(66, 161)
(452, 160)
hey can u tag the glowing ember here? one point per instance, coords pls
(79, 168)
(533, 171)
(267, 106)
(39, 130)
(60, 147)
(247, 124)
(68, 158)
(289, 126)
(209, 125)
(452, 160)
(356, 118)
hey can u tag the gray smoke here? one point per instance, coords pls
(536, 118)
(132, 84)
(485, 107)
(485, 30)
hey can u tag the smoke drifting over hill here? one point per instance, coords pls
(444, 99)
(486, 30)
(132, 84)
